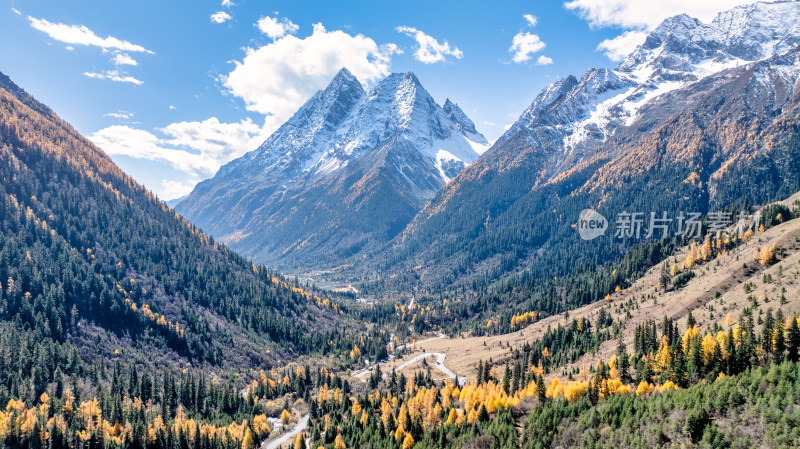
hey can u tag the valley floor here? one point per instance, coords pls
(716, 291)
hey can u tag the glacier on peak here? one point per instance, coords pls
(572, 117)
(350, 168)
(344, 121)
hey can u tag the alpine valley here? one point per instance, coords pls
(344, 175)
(698, 117)
(378, 274)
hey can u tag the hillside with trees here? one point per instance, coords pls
(112, 305)
(511, 212)
(486, 323)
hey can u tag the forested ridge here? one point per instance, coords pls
(122, 325)
(509, 213)
(97, 277)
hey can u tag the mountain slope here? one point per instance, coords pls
(91, 260)
(345, 173)
(698, 118)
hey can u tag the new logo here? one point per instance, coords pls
(591, 224)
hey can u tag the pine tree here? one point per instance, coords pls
(731, 365)
(623, 362)
(680, 371)
(507, 380)
(794, 340)
(541, 389)
(517, 378)
(779, 348)
(593, 393)
(766, 332)
(483, 414)
(663, 280)
(299, 442)
(696, 358)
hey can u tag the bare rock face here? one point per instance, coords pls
(347, 171)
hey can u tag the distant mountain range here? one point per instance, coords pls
(698, 117)
(345, 174)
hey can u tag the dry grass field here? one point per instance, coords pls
(715, 291)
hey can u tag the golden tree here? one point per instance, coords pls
(285, 417)
(356, 409)
(248, 442)
(408, 442)
(338, 443)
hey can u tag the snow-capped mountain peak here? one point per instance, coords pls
(466, 126)
(350, 168)
(398, 107)
(571, 118)
(344, 123)
(682, 45)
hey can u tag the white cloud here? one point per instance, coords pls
(175, 189)
(69, 47)
(220, 17)
(114, 75)
(16, 11)
(638, 17)
(524, 45)
(646, 15)
(120, 114)
(275, 28)
(124, 59)
(227, 3)
(140, 144)
(81, 35)
(487, 123)
(531, 19)
(430, 50)
(544, 60)
(276, 79)
(618, 48)
(172, 108)
(196, 148)
(222, 142)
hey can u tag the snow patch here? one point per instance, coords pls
(444, 158)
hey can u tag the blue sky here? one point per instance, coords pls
(172, 90)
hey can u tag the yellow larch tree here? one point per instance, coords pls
(356, 408)
(248, 442)
(408, 442)
(338, 443)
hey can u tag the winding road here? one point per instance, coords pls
(401, 347)
(439, 365)
(275, 444)
(440, 357)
